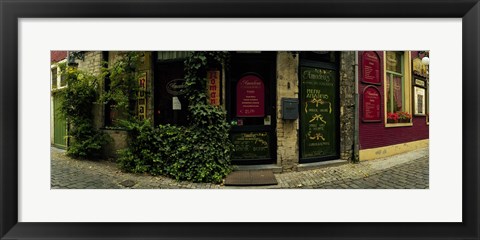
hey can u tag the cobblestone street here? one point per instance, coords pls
(404, 171)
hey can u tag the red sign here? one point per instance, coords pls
(371, 67)
(371, 104)
(250, 97)
(213, 87)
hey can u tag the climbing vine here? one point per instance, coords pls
(122, 90)
(78, 99)
(198, 152)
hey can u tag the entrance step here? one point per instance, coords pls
(251, 178)
(273, 167)
(317, 165)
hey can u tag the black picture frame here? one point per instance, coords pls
(11, 11)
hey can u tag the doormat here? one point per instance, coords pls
(251, 178)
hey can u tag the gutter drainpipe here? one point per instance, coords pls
(356, 141)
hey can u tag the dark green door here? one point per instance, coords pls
(59, 125)
(319, 115)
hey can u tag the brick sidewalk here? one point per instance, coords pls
(407, 171)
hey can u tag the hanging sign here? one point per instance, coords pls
(176, 87)
(250, 97)
(371, 104)
(213, 87)
(142, 103)
(371, 67)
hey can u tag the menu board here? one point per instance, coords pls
(251, 145)
(318, 112)
(250, 97)
(371, 67)
(371, 104)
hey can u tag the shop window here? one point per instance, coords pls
(427, 108)
(113, 114)
(420, 84)
(397, 89)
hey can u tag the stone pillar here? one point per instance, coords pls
(287, 130)
(347, 104)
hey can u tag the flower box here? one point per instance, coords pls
(399, 117)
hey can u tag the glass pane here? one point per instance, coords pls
(394, 61)
(251, 145)
(54, 78)
(397, 94)
(62, 81)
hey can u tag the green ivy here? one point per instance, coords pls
(199, 152)
(78, 99)
(123, 89)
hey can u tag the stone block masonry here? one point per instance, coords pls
(347, 104)
(288, 87)
(287, 130)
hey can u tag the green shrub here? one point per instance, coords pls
(183, 153)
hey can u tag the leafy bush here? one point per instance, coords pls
(199, 152)
(77, 104)
(183, 153)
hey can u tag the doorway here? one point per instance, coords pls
(251, 101)
(319, 106)
(169, 93)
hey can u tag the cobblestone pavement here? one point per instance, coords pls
(404, 171)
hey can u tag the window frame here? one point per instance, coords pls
(406, 88)
(59, 76)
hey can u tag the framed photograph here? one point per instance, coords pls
(419, 100)
(31, 207)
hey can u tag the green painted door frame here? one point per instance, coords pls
(59, 125)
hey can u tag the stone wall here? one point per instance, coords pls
(287, 130)
(347, 104)
(118, 141)
(92, 62)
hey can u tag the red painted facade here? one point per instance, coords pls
(56, 56)
(375, 134)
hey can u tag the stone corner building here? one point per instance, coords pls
(291, 110)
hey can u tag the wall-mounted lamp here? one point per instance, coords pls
(425, 58)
